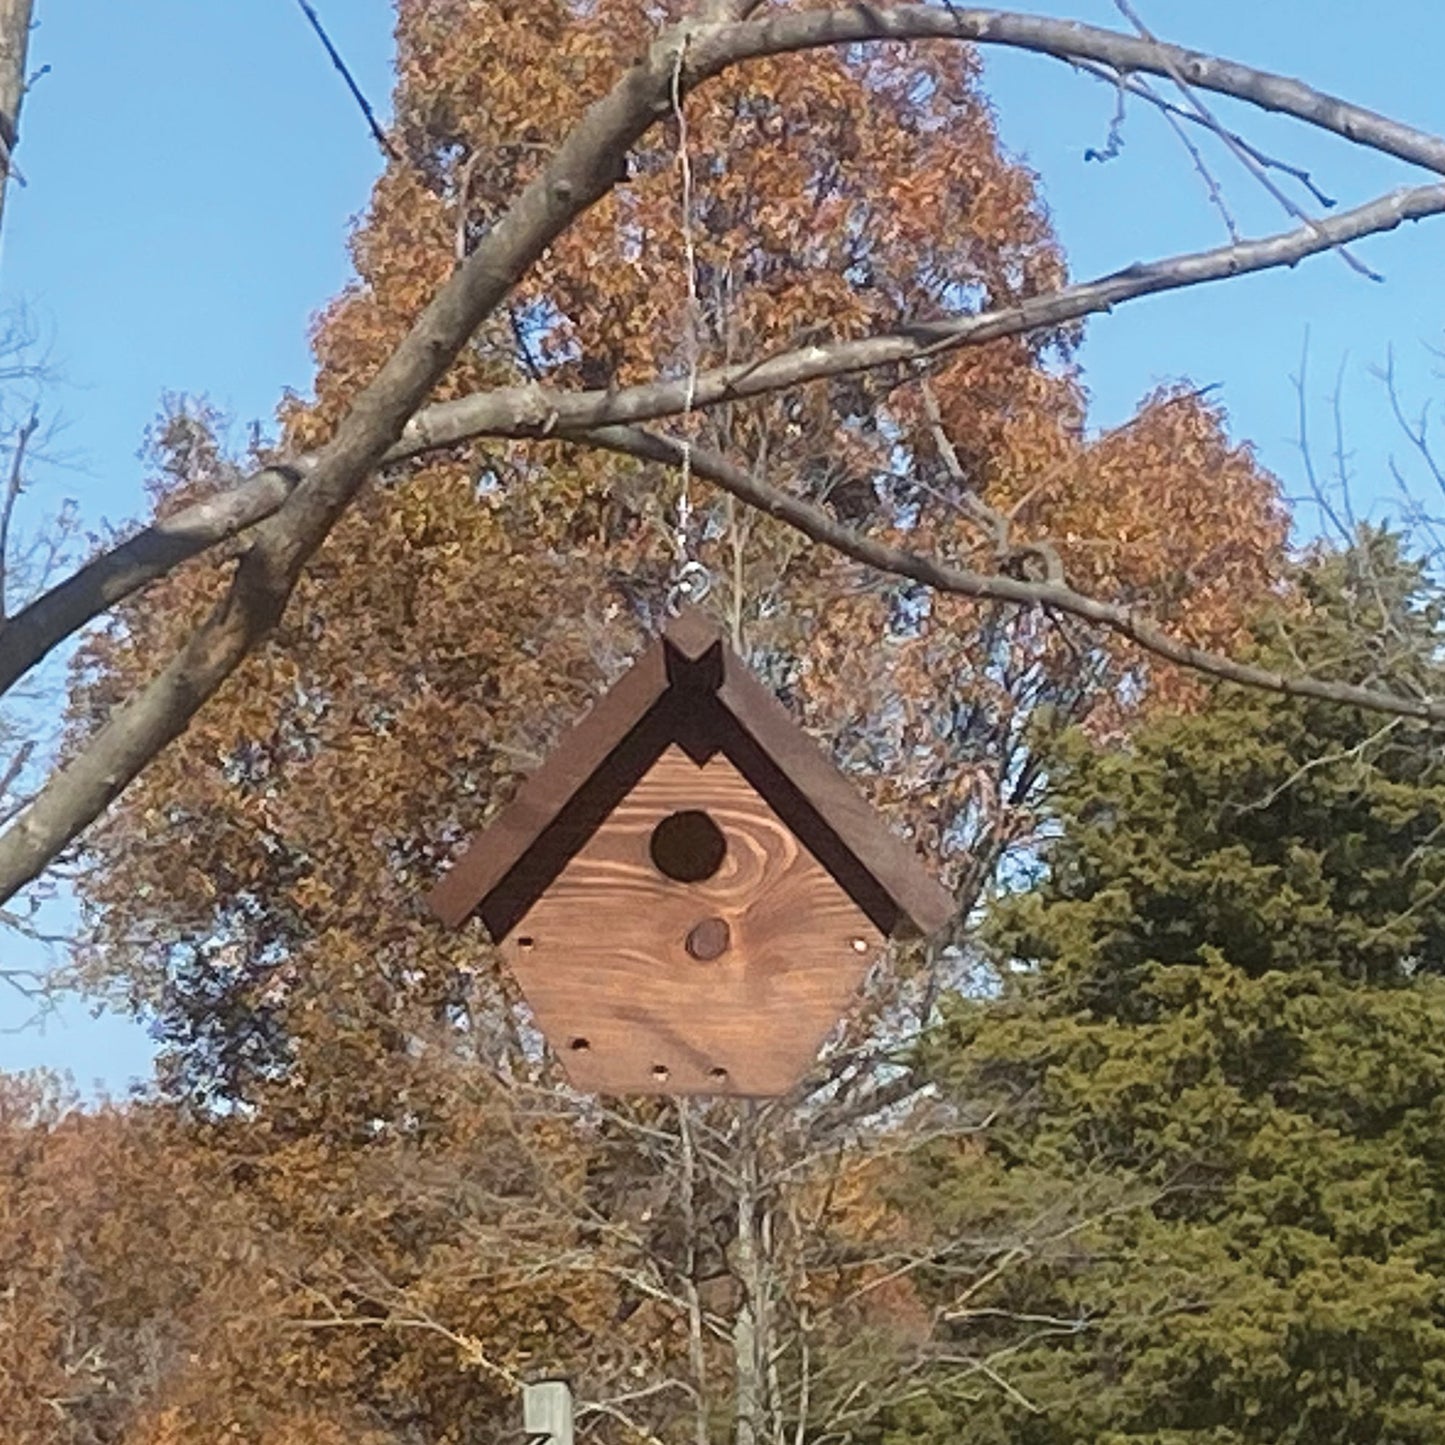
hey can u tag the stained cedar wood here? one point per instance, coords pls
(887, 858)
(878, 870)
(890, 861)
(603, 954)
(501, 845)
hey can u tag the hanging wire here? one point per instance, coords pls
(691, 581)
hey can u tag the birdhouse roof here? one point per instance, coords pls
(691, 690)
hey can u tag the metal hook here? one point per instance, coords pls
(691, 584)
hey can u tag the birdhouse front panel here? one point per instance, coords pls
(693, 944)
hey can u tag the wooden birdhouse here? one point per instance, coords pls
(687, 890)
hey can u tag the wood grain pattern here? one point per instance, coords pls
(687, 688)
(542, 797)
(603, 961)
(921, 901)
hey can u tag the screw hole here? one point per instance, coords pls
(688, 846)
(860, 945)
(580, 1046)
(526, 941)
(718, 1074)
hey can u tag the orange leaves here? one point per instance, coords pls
(428, 1215)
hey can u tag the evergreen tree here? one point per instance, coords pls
(1221, 1019)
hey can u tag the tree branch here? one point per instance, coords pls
(587, 165)
(538, 412)
(793, 30)
(115, 575)
(1168, 108)
(1241, 153)
(532, 411)
(357, 94)
(13, 488)
(816, 524)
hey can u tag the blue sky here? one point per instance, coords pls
(193, 165)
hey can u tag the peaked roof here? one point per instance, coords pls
(689, 689)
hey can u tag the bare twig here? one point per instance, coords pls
(1307, 456)
(1146, 92)
(1114, 141)
(1211, 185)
(817, 524)
(357, 94)
(994, 522)
(1417, 432)
(1241, 153)
(14, 486)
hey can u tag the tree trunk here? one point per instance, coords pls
(14, 46)
(747, 1333)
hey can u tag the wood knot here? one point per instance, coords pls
(709, 939)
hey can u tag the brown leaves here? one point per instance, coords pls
(427, 1213)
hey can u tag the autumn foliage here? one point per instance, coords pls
(417, 1214)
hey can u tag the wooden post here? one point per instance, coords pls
(547, 1412)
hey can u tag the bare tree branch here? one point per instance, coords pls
(15, 21)
(538, 412)
(357, 94)
(815, 523)
(1243, 154)
(116, 574)
(1146, 92)
(534, 411)
(794, 30)
(13, 487)
(586, 166)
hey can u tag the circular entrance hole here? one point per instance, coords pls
(688, 846)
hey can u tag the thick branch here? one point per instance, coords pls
(816, 524)
(15, 25)
(534, 411)
(793, 30)
(114, 575)
(588, 163)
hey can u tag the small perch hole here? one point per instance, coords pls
(708, 940)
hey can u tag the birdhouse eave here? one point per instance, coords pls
(687, 688)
